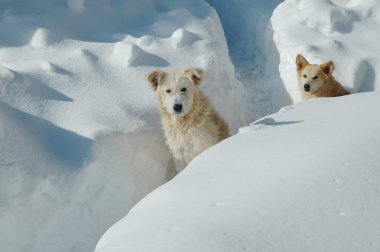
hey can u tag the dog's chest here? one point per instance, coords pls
(188, 141)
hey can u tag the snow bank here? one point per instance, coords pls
(79, 125)
(50, 199)
(341, 30)
(304, 179)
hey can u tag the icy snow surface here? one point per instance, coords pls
(304, 179)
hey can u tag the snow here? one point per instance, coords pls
(80, 130)
(250, 37)
(343, 31)
(303, 179)
(81, 141)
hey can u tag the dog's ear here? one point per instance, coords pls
(195, 74)
(155, 77)
(301, 62)
(327, 67)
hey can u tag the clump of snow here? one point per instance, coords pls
(183, 38)
(304, 179)
(132, 55)
(343, 31)
(43, 39)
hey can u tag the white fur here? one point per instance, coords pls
(197, 126)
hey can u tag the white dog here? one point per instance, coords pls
(190, 123)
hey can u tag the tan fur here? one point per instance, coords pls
(196, 130)
(319, 78)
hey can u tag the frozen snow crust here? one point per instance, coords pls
(345, 31)
(80, 137)
(304, 179)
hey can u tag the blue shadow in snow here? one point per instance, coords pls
(38, 89)
(271, 122)
(67, 147)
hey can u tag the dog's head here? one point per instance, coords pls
(312, 77)
(176, 90)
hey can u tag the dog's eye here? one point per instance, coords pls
(305, 76)
(183, 90)
(315, 77)
(168, 91)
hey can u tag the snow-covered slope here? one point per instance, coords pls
(51, 200)
(304, 179)
(345, 31)
(80, 138)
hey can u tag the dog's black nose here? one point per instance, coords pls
(306, 87)
(177, 107)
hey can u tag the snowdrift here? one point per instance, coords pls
(304, 179)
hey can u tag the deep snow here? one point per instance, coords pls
(80, 135)
(80, 131)
(304, 179)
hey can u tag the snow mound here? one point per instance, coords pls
(133, 56)
(343, 31)
(43, 39)
(63, 183)
(183, 38)
(304, 179)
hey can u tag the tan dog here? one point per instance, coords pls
(190, 123)
(317, 80)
